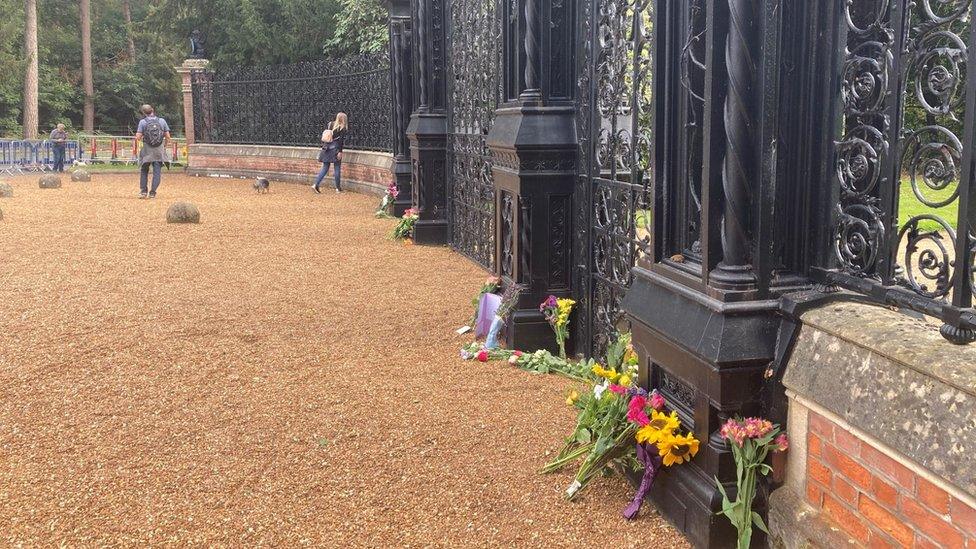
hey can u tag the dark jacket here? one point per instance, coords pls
(330, 151)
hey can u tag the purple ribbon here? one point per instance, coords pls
(652, 464)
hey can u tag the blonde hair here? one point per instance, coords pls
(341, 122)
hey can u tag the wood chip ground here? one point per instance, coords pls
(280, 374)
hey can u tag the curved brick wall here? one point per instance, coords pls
(362, 171)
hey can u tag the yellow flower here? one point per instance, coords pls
(610, 375)
(678, 448)
(661, 427)
(624, 380)
(572, 397)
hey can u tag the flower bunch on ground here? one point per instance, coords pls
(603, 436)
(544, 362)
(489, 287)
(476, 351)
(557, 313)
(660, 442)
(751, 440)
(385, 209)
(510, 299)
(404, 228)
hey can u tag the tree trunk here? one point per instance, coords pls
(86, 66)
(30, 78)
(127, 13)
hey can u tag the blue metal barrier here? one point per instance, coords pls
(18, 157)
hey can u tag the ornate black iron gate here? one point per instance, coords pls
(474, 53)
(613, 190)
(904, 165)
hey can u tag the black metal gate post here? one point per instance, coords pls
(401, 76)
(703, 304)
(427, 131)
(533, 144)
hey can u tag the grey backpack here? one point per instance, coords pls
(153, 133)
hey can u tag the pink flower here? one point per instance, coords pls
(782, 442)
(619, 389)
(482, 356)
(657, 401)
(636, 412)
(757, 427)
(517, 353)
(734, 432)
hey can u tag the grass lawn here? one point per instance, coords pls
(910, 206)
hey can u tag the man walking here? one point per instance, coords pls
(153, 132)
(59, 140)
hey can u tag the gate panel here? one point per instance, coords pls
(905, 191)
(475, 57)
(615, 124)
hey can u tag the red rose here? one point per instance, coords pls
(482, 356)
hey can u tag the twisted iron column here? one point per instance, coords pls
(533, 49)
(422, 52)
(740, 170)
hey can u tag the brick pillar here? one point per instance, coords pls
(185, 71)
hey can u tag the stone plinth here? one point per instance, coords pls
(881, 417)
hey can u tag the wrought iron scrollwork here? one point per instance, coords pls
(475, 57)
(290, 104)
(901, 172)
(508, 234)
(862, 155)
(616, 164)
(932, 150)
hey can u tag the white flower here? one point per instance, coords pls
(598, 389)
(512, 359)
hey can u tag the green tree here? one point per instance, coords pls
(360, 28)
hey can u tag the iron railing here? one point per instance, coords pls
(905, 191)
(291, 104)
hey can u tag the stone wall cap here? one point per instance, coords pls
(912, 342)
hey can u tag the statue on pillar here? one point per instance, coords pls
(197, 45)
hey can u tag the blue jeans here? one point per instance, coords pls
(157, 168)
(325, 170)
(58, 157)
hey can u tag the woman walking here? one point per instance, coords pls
(333, 141)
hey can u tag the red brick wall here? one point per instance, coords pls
(878, 500)
(361, 171)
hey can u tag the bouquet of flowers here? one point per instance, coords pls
(404, 228)
(385, 209)
(476, 351)
(751, 440)
(659, 441)
(489, 287)
(557, 313)
(602, 434)
(544, 362)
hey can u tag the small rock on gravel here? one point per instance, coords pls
(182, 212)
(49, 181)
(6, 191)
(81, 175)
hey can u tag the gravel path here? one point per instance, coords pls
(280, 374)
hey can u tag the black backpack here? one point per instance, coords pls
(153, 133)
